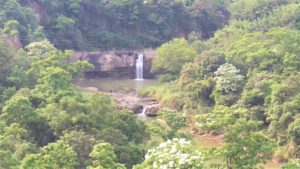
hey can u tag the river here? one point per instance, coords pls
(123, 87)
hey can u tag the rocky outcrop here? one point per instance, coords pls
(116, 64)
(135, 103)
(151, 110)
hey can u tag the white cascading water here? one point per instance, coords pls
(140, 67)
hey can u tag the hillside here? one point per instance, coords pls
(115, 24)
(227, 71)
(247, 73)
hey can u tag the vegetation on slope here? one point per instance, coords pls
(243, 82)
(102, 24)
(46, 123)
(246, 76)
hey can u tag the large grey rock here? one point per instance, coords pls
(151, 110)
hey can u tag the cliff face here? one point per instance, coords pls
(116, 64)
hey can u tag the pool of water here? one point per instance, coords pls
(109, 85)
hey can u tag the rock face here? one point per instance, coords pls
(116, 64)
(151, 110)
(135, 103)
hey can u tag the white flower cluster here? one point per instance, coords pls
(176, 153)
(228, 78)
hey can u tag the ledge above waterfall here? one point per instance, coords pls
(116, 64)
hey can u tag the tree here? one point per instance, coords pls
(58, 120)
(294, 131)
(63, 22)
(82, 144)
(228, 85)
(172, 56)
(172, 154)
(218, 119)
(53, 84)
(245, 146)
(14, 145)
(228, 78)
(58, 155)
(11, 27)
(32, 161)
(168, 124)
(104, 157)
(19, 110)
(37, 35)
(6, 57)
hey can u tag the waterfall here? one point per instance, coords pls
(143, 115)
(140, 67)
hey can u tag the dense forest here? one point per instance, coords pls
(108, 24)
(226, 68)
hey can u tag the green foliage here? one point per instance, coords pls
(258, 53)
(37, 35)
(17, 19)
(294, 131)
(168, 124)
(245, 146)
(86, 25)
(13, 146)
(11, 27)
(168, 94)
(255, 8)
(64, 22)
(53, 84)
(219, 119)
(172, 56)
(284, 106)
(247, 72)
(19, 110)
(59, 155)
(6, 55)
(50, 109)
(103, 157)
(293, 164)
(56, 155)
(32, 161)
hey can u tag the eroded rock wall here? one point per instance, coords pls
(116, 64)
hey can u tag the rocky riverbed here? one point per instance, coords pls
(131, 101)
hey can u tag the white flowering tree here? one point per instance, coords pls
(173, 154)
(228, 78)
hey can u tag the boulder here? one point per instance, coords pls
(134, 107)
(151, 110)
